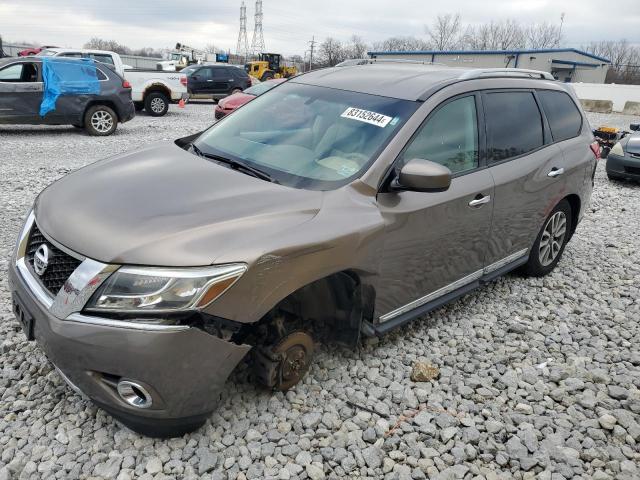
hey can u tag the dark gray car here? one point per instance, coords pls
(623, 161)
(21, 92)
(343, 203)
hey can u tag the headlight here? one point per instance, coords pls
(139, 289)
(617, 150)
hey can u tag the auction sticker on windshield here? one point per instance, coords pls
(366, 116)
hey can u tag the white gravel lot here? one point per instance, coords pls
(540, 378)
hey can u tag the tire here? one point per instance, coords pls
(156, 104)
(613, 178)
(236, 90)
(267, 76)
(139, 106)
(550, 242)
(100, 121)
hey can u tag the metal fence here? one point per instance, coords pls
(131, 60)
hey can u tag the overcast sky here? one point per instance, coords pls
(289, 25)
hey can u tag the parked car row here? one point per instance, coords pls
(22, 86)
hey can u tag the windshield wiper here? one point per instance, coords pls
(234, 164)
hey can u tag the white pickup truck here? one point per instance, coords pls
(152, 90)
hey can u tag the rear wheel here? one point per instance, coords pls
(156, 104)
(236, 90)
(267, 76)
(551, 241)
(100, 121)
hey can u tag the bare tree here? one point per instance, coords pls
(444, 33)
(356, 48)
(543, 35)
(101, 44)
(401, 44)
(331, 52)
(624, 57)
(503, 35)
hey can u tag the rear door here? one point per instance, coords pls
(222, 80)
(528, 170)
(20, 92)
(436, 242)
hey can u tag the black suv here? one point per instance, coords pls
(21, 92)
(215, 81)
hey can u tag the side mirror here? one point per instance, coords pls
(420, 175)
(635, 127)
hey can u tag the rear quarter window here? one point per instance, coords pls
(564, 117)
(514, 124)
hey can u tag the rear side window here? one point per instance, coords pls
(102, 58)
(514, 124)
(564, 117)
(100, 74)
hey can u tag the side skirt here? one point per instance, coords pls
(370, 329)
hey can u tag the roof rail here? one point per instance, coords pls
(404, 60)
(505, 72)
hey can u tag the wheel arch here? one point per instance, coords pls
(156, 87)
(106, 103)
(575, 204)
(333, 306)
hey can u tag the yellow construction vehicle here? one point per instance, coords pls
(268, 66)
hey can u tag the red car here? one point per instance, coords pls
(33, 51)
(230, 103)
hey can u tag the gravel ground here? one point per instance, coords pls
(539, 378)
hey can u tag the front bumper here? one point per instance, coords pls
(623, 167)
(182, 368)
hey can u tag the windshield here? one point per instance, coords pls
(309, 137)
(261, 88)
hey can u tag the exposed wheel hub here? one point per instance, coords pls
(284, 364)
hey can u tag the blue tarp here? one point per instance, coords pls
(67, 76)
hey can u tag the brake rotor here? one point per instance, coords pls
(294, 353)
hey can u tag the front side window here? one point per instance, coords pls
(564, 117)
(514, 124)
(449, 137)
(21, 72)
(306, 136)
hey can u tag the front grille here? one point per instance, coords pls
(632, 170)
(60, 265)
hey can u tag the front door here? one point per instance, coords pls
(20, 92)
(435, 242)
(529, 172)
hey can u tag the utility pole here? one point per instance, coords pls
(243, 45)
(257, 43)
(312, 44)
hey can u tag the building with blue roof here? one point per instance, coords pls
(565, 64)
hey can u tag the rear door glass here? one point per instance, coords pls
(564, 117)
(514, 124)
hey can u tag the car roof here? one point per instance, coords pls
(406, 81)
(79, 50)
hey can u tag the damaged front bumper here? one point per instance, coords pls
(158, 379)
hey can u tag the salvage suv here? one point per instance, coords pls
(344, 203)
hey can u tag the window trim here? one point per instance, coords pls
(541, 106)
(546, 131)
(388, 177)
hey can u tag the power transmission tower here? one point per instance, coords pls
(242, 50)
(312, 44)
(257, 43)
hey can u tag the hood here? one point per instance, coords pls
(236, 100)
(633, 144)
(164, 206)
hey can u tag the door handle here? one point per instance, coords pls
(480, 200)
(209, 80)
(555, 172)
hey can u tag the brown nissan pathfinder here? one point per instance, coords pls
(343, 203)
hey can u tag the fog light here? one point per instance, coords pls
(134, 394)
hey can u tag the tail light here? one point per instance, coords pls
(595, 148)
(183, 80)
(126, 84)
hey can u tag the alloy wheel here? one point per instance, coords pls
(102, 121)
(157, 105)
(552, 238)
